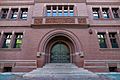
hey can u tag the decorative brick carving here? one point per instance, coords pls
(60, 1)
(62, 20)
(38, 21)
(82, 20)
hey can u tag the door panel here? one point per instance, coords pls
(60, 53)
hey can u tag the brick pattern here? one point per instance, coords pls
(18, 65)
(60, 20)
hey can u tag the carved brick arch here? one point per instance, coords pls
(60, 32)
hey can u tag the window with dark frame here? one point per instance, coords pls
(113, 40)
(105, 12)
(65, 10)
(102, 40)
(4, 13)
(18, 40)
(49, 11)
(115, 12)
(71, 10)
(7, 40)
(24, 13)
(96, 14)
(54, 12)
(14, 13)
(60, 10)
(113, 69)
(7, 69)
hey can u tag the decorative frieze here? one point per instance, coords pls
(60, 1)
(60, 20)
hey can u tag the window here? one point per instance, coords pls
(7, 40)
(4, 13)
(7, 69)
(24, 13)
(113, 40)
(14, 13)
(115, 12)
(113, 69)
(105, 12)
(96, 14)
(54, 11)
(48, 10)
(12, 42)
(60, 10)
(18, 40)
(65, 10)
(71, 11)
(101, 39)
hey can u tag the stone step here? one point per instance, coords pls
(60, 65)
(60, 70)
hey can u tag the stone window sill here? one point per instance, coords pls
(109, 49)
(13, 19)
(107, 19)
(10, 49)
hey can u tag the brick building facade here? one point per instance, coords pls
(36, 32)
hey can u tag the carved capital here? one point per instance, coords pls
(38, 21)
(82, 20)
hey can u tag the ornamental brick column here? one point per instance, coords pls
(118, 38)
(79, 59)
(40, 59)
(1, 39)
(108, 40)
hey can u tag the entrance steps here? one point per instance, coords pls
(61, 71)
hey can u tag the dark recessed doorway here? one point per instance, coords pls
(60, 53)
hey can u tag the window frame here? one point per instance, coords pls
(2, 13)
(59, 10)
(113, 38)
(115, 13)
(20, 38)
(24, 12)
(14, 12)
(7, 37)
(106, 13)
(96, 11)
(102, 38)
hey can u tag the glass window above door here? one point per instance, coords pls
(60, 10)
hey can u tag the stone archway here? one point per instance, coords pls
(68, 38)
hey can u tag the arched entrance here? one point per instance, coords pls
(60, 53)
(56, 38)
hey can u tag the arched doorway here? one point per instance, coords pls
(52, 38)
(60, 53)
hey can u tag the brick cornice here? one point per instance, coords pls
(91, 25)
(103, 3)
(60, 1)
(16, 2)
